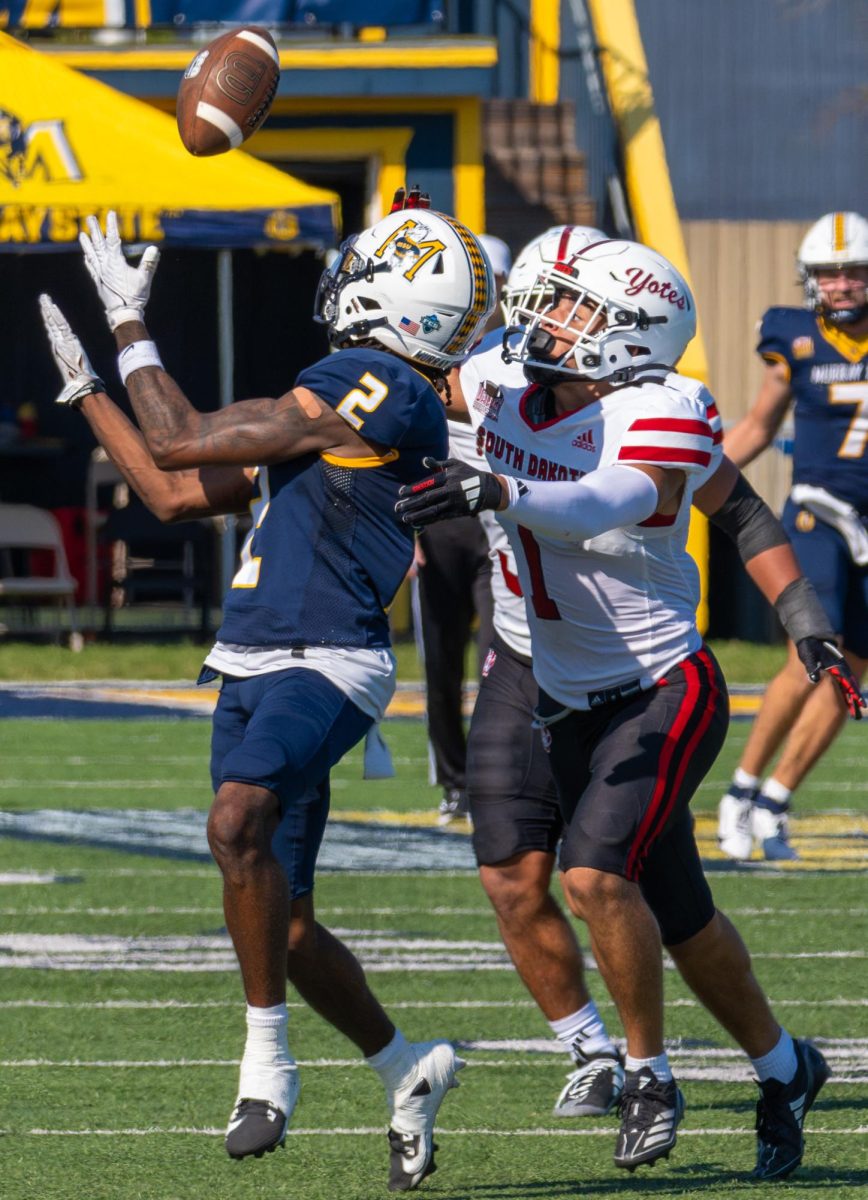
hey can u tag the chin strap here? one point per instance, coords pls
(844, 316)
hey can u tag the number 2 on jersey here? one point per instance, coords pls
(368, 401)
(247, 575)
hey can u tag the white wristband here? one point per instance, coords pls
(135, 356)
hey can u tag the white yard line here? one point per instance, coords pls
(356, 910)
(96, 1005)
(377, 1131)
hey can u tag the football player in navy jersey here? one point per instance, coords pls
(303, 650)
(817, 362)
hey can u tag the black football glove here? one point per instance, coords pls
(454, 490)
(818, 656)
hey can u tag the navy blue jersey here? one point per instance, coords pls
(828, 371)
(326, 553)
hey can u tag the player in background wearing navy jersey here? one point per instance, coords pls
(597, 463)
(304, 645)
(817, 362)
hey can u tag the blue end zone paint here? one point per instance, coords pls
(34, 707)
(89, 701)
(180, 835)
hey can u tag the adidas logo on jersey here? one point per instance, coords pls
(585, 440)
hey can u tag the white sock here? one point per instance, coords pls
(267, 1066)
(742, 778)
(776, 793)
(584, 1031)
(780, 1063)
(659, 1064)
(394, 1062)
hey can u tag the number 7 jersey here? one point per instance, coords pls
(326, 553)
(617, 609)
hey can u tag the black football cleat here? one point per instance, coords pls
(593, 1088)
(650, 1114)
(781, 1112)
(256, 1127)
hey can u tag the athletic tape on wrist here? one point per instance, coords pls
(136, 356)
(801, 613)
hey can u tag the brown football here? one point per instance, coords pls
(227, 90)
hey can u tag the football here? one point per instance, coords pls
(227, 90)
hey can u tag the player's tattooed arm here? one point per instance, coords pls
(261, 431)
(170, 495)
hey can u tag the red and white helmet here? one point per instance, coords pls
(417, 283)
(642, 315)
(839, 239)
(538, 256)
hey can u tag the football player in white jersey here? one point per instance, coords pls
(597, 464)
(511, 792)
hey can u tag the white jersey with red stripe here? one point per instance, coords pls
(486, 363)
(617, 610)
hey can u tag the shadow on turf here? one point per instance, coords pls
(706, 1177)
(827, 1104)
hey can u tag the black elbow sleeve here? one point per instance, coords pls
(748, 521)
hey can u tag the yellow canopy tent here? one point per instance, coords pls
(71, 147)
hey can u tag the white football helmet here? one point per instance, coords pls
(539, 255)
(417, 283)
(839, 239)
(637, 315)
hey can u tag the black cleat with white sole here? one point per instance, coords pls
(781, 1112)
(650, 1114)
(256, 1127)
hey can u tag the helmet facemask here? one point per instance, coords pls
(607, 335)
(815, 300)
(348, 268)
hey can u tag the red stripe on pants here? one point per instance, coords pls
(663, 799)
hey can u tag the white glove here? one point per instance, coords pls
(79, 377)
(123, 289)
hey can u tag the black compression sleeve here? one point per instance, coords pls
(748, 521)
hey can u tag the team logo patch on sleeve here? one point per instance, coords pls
(803, 347)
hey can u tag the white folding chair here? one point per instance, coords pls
(23, 527)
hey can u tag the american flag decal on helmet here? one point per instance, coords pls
(480, 299)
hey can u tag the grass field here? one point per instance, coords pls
(742, 662)
(122, 1015)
